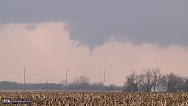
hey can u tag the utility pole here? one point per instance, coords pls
(66, 79)
(104, 81)
(104, 77)
(24, 76)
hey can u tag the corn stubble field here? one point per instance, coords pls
(62, 98)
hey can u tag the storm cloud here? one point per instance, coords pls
(47, 50)
(93, 22)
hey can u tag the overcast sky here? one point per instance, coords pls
(89, 36)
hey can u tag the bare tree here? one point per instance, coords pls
(82, 81)
(185, 85)
(151, 78)
(147, 83)
(156, 77)
(163, 80)
(174, 82)
(162, 83)
(132, 81)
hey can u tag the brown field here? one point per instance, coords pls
(62, 98)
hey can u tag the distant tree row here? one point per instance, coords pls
(148, 80)
(80, 83)
(83, 83)
(152, 80)
(6, 85)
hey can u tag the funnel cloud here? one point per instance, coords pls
(87, 37)
(94, 22)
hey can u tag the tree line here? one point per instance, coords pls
(152, 80)
(148, 80)
(80, 83)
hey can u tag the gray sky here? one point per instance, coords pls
(49, 37)
(93, 22)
